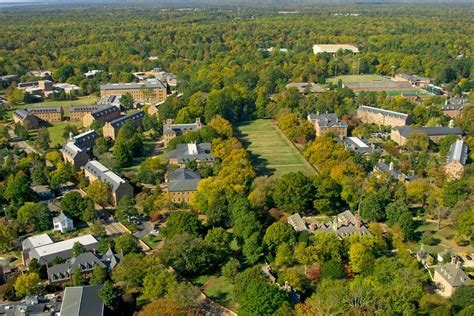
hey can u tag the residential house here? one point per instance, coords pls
(84, 262)
(147, 91)
(184, 153)
(46, 253)
(92, 73)
(112, 128)
(334, 48)
(104, 114)
(391, 171)
(297, 223)
(36, 241)
(171, 130)
(400, 134)
(424, 257)
(182, 183)
(24, 118)
(456, 160)
(344, 225)
(62, 223)
(82, 301)
(449, 277)
(328, 123)
(453, 107)
(372, 115)
(39, 73)
(358, 145)
(77, 112)
(94, 170)
(43, 192)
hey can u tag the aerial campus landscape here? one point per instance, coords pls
(234, 157)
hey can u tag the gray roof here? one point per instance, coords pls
(133, 85)
(345, 224)
(84, 108)
(183, 174)
(45, 109)
(458, 152)
(192, 152)
(454, 104)
(22, 114)
(117, 123)
(84, 262)
(413, 77)
(71, 150)
(177, 129)
(36, 241)
(60, 217)
(454, 275)
(104, 174)
(406, 130)
(84, 140)
(388, 113)
(105, 110)
(82, 301)
(297, 222)
(183, 180)
(328, 120)
(358, 145)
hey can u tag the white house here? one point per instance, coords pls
(63, 223)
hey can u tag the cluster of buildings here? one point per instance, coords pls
(152, 91)
(32, 118)
(45, 88)
(328, 123)
(343, 225)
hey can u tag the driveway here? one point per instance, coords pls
(147, 228)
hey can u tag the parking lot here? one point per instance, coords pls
(114, 228)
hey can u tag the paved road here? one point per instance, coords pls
(22, 145)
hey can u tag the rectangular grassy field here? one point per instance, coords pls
(270, 151)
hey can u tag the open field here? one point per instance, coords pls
(270, 151)
(56, 131)
(358, 78)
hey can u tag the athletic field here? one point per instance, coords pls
(270, 150)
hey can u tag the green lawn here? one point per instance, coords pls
(217, 288)
(151, 241)
(56, 131)
(270, 151)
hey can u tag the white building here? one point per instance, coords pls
(333, 48)
(63, 223)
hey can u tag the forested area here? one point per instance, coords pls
(236, 220)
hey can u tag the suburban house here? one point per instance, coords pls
(184, 153)
(400, 134)
(43, 192)
(449, 277)
(358, 145)
(153, 91)
(391, 171)
(171, 130)
(48, 113)
(77, 151)
(328, 123)
(77, 112)
(457, 157)
(104, 114)
(372, 115)
(182, 183)
(414, 80)
(46, 252)
(26, 119)
(36, 241)
(453, 107)
(85, 263)
(333, 48)
(62, 223)
(82, 301)
(344, 225)
(112, 128)
(94, 170)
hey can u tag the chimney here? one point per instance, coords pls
(451, 123)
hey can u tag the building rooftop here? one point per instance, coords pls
(458, 152)
(82, 301)
(83, 262)
(71, 150)
(36, 241)
(333, 48)
(117, 123)
(297, 223)
(155, 84)
(389, 113)
(183, 174)
(104, 174)
(105, 110)
(51, 250)
(183, 179)
(456, 103)
(22, 114)
(414, 78)
(327, 120)
(358, 145)
(84, 108)
(306, 86)
(345, 224)
(177, 129)
(45, 109)
(453, 274)
(406, 130)
(192, 152)
(61, 217)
